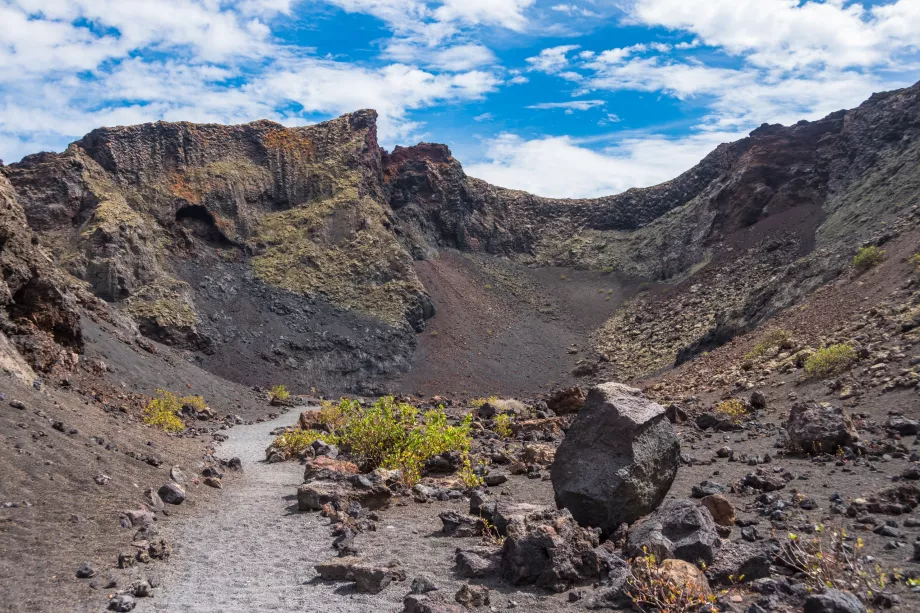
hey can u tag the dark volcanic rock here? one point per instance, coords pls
(681, 529)
(618, 459)
(550, 550)
(833, 601)
(815, 427)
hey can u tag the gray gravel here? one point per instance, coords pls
(250, 550)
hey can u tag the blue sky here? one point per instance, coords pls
(574, 98)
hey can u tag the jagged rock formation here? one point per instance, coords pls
(261, 247)
(39, 311)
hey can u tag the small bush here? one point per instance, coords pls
(433, 436)
(334, 416)
(295, 442)
(195, 403)
(769, 341)
(733, 409)
(278, 394)
(650, 589)
(830, 361)
(831, 560)
(868, 257)
(163, 412)
(503, 425)
(915, 261)
(478, 402)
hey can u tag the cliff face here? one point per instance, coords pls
(294, 247)
(39, 313)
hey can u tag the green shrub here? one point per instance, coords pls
(278, 394)
(915, 261)
(734, 409)
(163, 412)
(769, 340)
(295, 442)
(196, 403)
(387, 434)
(503, 425)
(478, 402)
(868, 257)
(830, 361)
(433, 436)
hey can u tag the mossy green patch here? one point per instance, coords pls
(164, 303)
(340, 249)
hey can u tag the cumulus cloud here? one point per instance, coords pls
(68, 67)
(565, 168)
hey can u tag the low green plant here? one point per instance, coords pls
(830, 361)
(196, 403)
(769, 341)
(295, 442)
(502, 425)
(279, 393)
(432, 436)
(652, 590)
(734, 409)
(915, 261)
(478, 402)
(868, 257)
(829, 559)
(334, 415)
(163, 412)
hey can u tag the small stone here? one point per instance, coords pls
(423, 584)
(172, 493)
(494, 479)
(214, 482)
(472, 596)
(18, 404)
(85, 571)
(122, 603)
(177, 475)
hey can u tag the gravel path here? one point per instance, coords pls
(250, 550)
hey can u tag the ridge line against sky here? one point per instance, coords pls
(575, 98)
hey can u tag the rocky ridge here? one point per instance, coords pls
(201, 232)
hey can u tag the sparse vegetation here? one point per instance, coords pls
(734, 409)
(770, 340)
(830, 559)
(830, 361)
(868, 257)
(196, 403)
(163, 412)
(478, 402)
(295, 442)
(652, 589)
(502, 425)
(278, 395)
(387, 434)
(914, 261)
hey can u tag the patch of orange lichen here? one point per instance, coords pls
(293, 143)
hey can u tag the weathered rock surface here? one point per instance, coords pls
(817, 428)
(618, 459)
(549, 549)
(681, 529)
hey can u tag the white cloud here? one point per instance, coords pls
(519, 80)
(572, 105)
(59, 79)
(455, 59)
(790, 34)
(505, 13)
(551, 60)
(484, 117)
(561, 167)
(571, 9)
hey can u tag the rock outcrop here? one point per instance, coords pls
(618, 459)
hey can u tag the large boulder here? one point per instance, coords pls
(681, 529)
(817, 427)
(618, 459)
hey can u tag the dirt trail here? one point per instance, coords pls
(250, 550)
